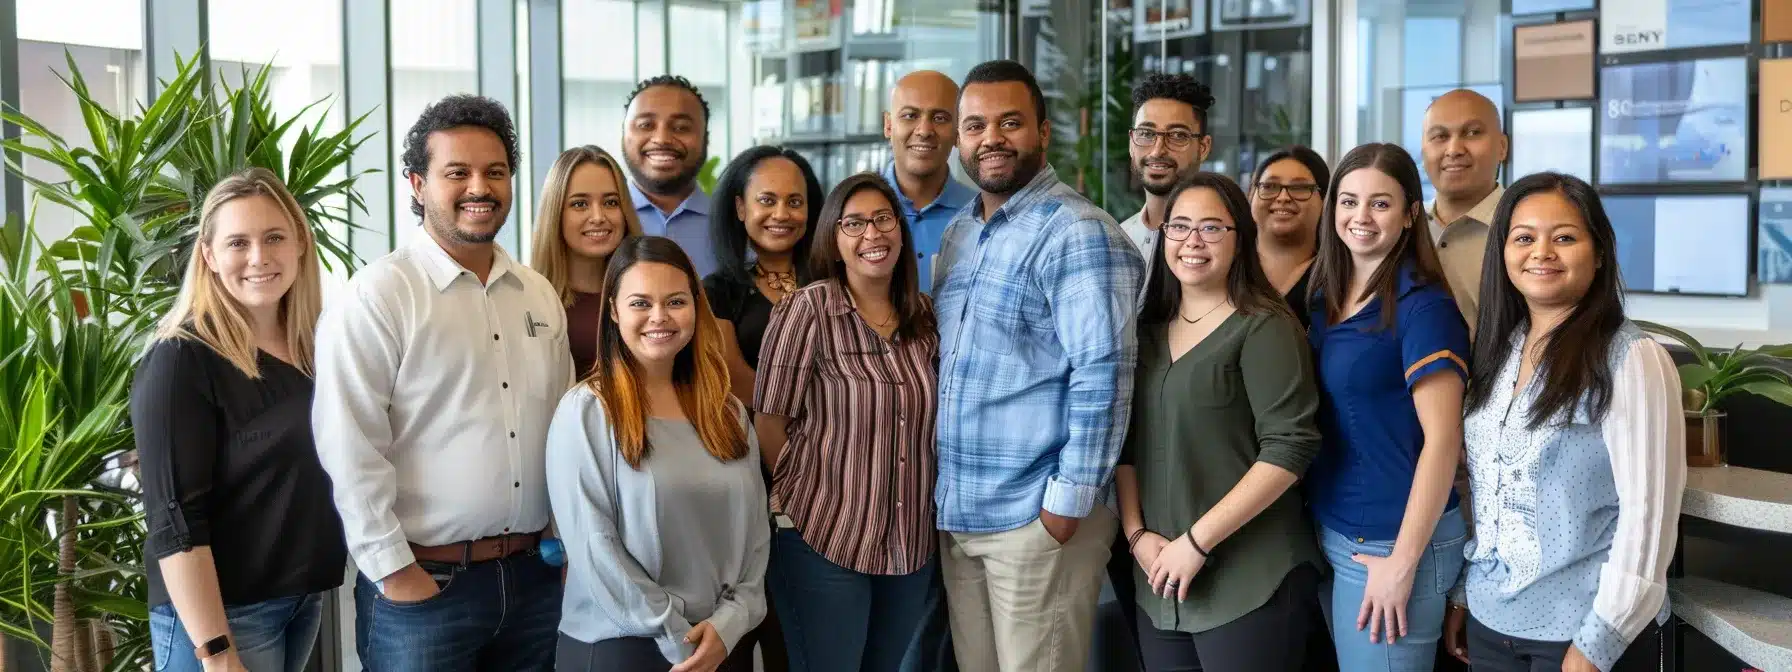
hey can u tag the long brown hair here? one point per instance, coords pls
(1247, 287)
(1334, 266)
(699, 373)
(825, 262)
(206, 312)
(550, 256)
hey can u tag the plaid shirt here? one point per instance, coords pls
(1037, 349)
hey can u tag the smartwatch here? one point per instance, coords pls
(213, 646)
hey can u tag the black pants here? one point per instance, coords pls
(1491, 651)
(626, 654)
(1271, 638)
(1117, 649)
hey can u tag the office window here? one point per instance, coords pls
(598, 69)
(433, 55)
(708, 67)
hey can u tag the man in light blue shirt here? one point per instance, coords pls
(1035, 291)
(665, 142)
(922, 129)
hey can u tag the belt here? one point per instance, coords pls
(478, 550)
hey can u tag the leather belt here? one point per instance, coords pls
(478, 550)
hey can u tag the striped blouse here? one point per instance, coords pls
(857, 474)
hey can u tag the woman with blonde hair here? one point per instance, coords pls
(585, 213)
(221, 409)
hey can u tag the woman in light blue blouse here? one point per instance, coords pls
(1575, 449)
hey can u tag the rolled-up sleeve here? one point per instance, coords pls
(1091, 275)
(1646, 437)
(1279, 384)
(175, 422)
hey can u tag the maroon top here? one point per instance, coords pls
(581, 331)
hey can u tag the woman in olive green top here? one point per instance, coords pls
(1222, 427)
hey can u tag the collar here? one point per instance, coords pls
(835, 300)
(1041, 185)
(443, 270)
(1409, 279)
(697, 202)
(1481, 214)
(953, 196)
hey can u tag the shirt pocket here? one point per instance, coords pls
(1215, 386)
(541, 356)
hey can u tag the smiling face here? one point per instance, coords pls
(1162, 164)
(1372, 214)
(1550, 255)
(591, 220)
(1463, 145)
(466, 194)
(1280, 214)
(1001, 141)
(254, 252)
(655, 311)
(922, 123)
(873, 254)
(1194, 261)
(775, 207)
(663, 141)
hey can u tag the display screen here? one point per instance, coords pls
(1682, 244)
(1775, 237)
(1684, 121)
(1523, 7)
(1630, 26)
(1558, 140)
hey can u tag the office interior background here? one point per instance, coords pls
(1709, 226)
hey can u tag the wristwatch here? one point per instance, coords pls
(212, 647)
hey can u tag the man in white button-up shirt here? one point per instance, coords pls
(437, 375)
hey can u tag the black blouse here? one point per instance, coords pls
(1297, 298)
(228, 462)
(741, 303)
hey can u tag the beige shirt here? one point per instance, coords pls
(1460, 248)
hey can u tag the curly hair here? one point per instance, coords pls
(463, 109)
(1180, 88)
(674, 81)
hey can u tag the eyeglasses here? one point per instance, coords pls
(1268, 191)
(1211, 233)
(1146, 137)
(855, 226)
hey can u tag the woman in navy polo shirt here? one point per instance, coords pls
(1389, 348)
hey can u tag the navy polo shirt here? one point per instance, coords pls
(1359, 483)
(928, 225)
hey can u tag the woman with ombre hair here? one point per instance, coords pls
(221, 411)
(585, 213)
(653, 476)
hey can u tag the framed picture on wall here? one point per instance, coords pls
(1678, 121)
(1776, 119)
(1168, 19)
(1773, 259)
(1776, 20)
(1553, 61)
(1254, 14)
(1631, 26)
(1558, 140)
(1659, 252)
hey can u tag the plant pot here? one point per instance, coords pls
(1704, 438)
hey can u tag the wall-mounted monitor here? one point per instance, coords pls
(1681, 121)
(1256, 14)
(1774, 237)
(1553, 61)
(1523, 7)
(1558, 140)
(1630, 26)
(1682, 244)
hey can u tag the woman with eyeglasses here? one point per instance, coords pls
(845, 403)
(1222, 428)
(1287, 198)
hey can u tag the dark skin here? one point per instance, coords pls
(664, 144)
(1001, 140)
(1463, 150)
(922, 127)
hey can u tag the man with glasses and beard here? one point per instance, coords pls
(1169, 142)
(665, 141)
(1035, 291)
(437, 376)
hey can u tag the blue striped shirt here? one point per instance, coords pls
(1037, 348)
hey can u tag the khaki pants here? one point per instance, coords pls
(1020, 601)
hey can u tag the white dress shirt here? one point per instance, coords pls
(434, 395)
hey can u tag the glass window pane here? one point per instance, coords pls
(708, 69)
(433, 56)
(595, 82)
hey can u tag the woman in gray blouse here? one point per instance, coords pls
(654, 481)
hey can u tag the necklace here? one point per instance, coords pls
(782, 281)
(1203, 315)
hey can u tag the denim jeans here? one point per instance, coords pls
(276, 635)
(1493, 651)
(837, 619)
(496, 616)
(1341, 596)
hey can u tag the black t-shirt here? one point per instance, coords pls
(228, 462)
(740, 302)
(1297, 298)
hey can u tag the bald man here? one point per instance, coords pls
(1463, 150)
(922, 126)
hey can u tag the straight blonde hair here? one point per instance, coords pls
(552, 258)
(206, 312)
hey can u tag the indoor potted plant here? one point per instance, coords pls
(1713, 376)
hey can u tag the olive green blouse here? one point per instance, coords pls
(1243, 395)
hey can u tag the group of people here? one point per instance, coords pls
(827, 427)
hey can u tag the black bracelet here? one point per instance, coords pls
(1133, 540)
(1196, 544)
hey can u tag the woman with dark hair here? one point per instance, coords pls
(1389, 344)
(1222, 428)
(845, 404)
(1575, 416)
(654, 483)
(766, 204)
(1284, 206)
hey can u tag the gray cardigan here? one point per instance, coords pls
(654, 551)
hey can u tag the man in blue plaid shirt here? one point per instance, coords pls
(1035, 290)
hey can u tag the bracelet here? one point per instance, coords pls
(1133, 540)
(1196, 544)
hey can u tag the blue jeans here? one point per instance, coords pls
(1341, 596)
(276, 635)
(501, 615)
(837, 619)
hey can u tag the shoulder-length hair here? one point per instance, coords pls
(1334, 265)
(825, 262)
(205, 311)
(699, 373)
(1247, 287)
(551, 257)
(1575, 361)
(729, 232)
